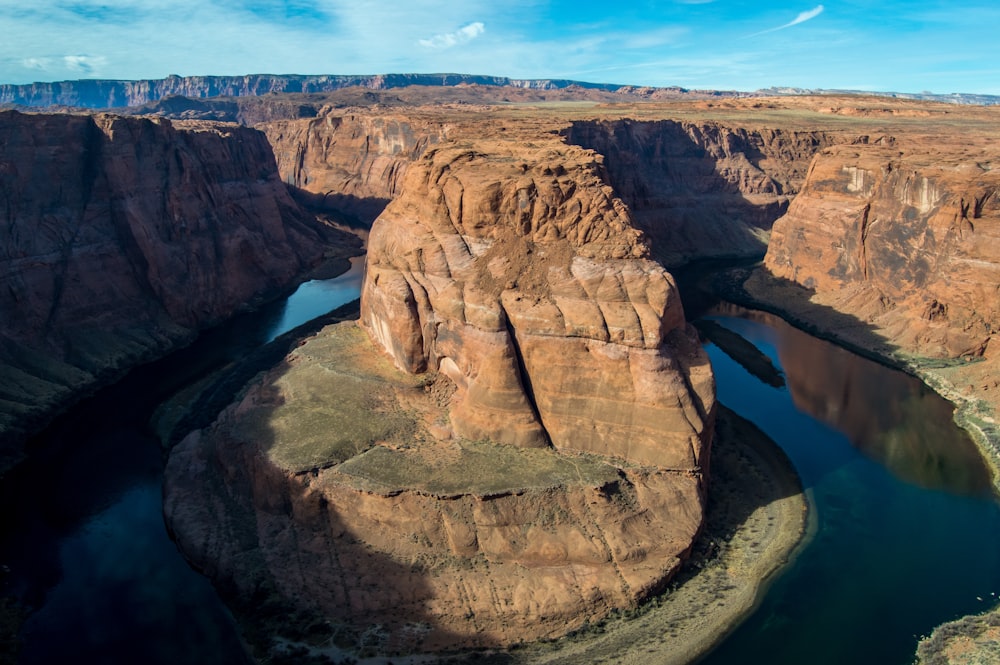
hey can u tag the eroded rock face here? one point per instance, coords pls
(517, 445)
(350, 164)
(124, 236)
(702, 189)
(518, 274)
(903, 235)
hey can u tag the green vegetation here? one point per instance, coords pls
(480, 468)
(336, 402)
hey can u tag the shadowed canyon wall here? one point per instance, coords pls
(702, 189)
(122, 237)
(349, 164)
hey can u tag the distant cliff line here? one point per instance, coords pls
(111, 93)
(101, 93)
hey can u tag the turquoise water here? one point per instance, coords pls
(907, 530)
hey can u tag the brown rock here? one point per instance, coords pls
(349, 164)
(535, 457)
(701, 188)
(124, 236)
(905, 236)
(515, 272)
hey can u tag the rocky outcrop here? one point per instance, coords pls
(702, 189)
(521, 450)
(519, 275)
(904, 235)
(350, 164)
(122, 237)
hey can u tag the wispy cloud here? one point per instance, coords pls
(461, 36)
(801, 18)
(87, 65)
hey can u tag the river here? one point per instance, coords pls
(906, 529)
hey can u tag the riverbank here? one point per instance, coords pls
(971, 385)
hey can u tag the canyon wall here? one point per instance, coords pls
(702, 189)
(696, 189)
(122, 237)
(351, 165)
(904, 235)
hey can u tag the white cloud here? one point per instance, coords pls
(801, 18)
(805, 16)
(41, 64)
(85, 64)
(461, 36)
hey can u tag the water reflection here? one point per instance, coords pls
(900, 545)
(317, 297)
(889, 416)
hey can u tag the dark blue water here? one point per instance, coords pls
(82, 530)
(907, 528)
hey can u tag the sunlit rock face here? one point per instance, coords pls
(903, 234)
(518, 274)
(122, 237)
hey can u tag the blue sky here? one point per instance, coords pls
(908, 46)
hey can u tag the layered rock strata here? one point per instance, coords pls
(904, 237)
(122, 237)
(697, 189)
(519, 275)
(702, 189)
(349, 164)
(520, 451)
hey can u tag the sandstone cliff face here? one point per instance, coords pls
(904, 235)
(350, 164)
(702, 189)
(521, 450)
(518, 274)
(121, 237)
